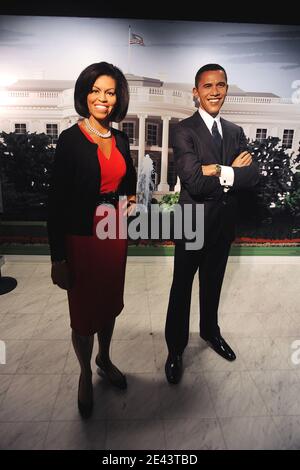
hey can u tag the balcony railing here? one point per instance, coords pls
(257, 99)
(161, 95)
(29, 98)
(137, 93)
(34, 94)
(179, 96)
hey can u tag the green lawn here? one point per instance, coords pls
(25, 229)
(36, 249)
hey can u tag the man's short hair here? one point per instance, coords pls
(206, 68)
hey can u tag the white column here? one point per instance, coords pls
(274, 132)
(115, 125)
(246, 129)
(249, 131)
(177, 187)
(296, 140)
(5, 125)
(72, 120)
(163, 185)
(141, 152)
(279, 133)
(63, 124)
(38, 126)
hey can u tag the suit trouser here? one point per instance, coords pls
(211, 262)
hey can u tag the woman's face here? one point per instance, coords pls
(102, 99)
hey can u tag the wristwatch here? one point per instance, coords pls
(218, 170)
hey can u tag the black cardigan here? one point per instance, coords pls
(75, 185)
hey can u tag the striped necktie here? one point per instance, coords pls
(217, 139)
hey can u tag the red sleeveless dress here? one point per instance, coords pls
(98, 266)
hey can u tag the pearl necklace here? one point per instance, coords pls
(95, 131)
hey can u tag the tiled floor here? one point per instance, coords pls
(252, 403)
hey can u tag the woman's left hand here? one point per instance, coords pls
(130, 205)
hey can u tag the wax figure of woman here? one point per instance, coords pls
(92, 166)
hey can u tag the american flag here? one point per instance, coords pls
(136, 39)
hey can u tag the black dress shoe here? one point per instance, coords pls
(219, 345)
(111, 373)
(173, 368)
(85, 408)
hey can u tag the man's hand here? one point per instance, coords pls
(60, 275)
(209, 170)
(243, 159)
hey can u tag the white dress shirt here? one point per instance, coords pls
(227, 173)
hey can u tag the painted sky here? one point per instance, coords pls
(257, 57)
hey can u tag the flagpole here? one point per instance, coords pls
(129, 37)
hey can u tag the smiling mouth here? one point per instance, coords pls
(101, 107)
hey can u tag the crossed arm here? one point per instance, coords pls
(243, 159)
(196, 178)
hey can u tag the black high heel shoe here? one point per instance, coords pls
(112, 374)
(85, 409)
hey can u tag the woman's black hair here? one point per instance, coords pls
(85, 82)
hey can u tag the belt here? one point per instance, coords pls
(224, 196)
(108, 198)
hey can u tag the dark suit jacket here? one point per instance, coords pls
(193, 146)
(75, 186)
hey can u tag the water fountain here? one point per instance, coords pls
(145, 185)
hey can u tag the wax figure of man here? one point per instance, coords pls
(213, 163)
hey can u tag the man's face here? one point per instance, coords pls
(211, 91)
